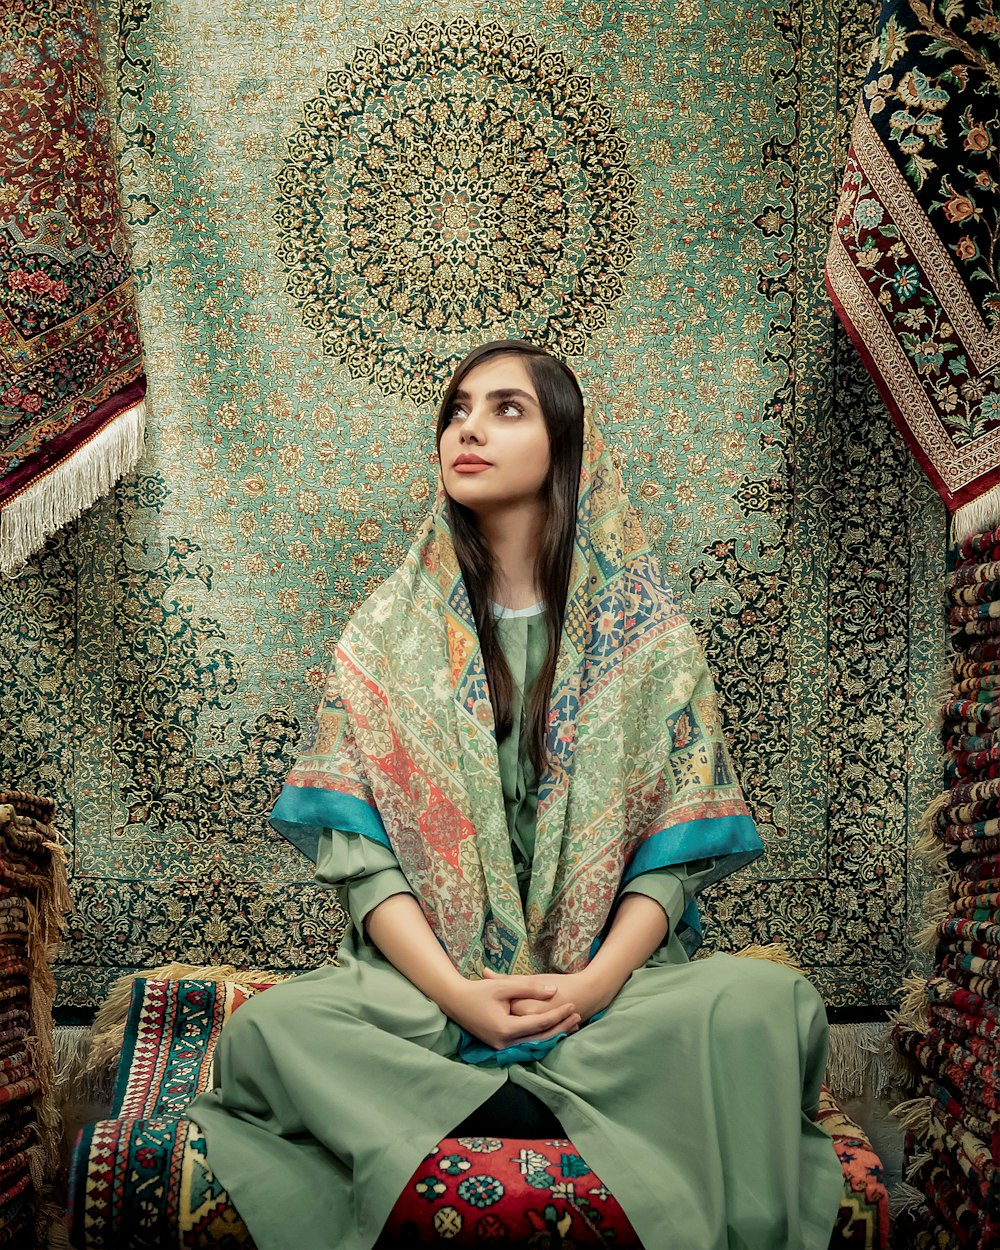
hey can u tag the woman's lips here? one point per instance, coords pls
(471, 467)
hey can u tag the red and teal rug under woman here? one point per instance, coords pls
(142, 1178)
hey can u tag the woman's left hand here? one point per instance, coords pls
(584, 989)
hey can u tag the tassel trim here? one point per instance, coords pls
(59, 496)
(774, 952)
(915, 1115)
(975, 517)
(861, 1058)
(905, 1199)
(914, 1011)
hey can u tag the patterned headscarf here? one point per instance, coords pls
(404, 750)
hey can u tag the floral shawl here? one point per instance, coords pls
(404, 750)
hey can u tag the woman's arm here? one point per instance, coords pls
(400, 930)
(638, 929)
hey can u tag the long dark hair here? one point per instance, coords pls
(562, 407)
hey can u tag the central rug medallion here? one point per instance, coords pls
(454, 183)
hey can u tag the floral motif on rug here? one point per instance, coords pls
(914, 260)
(71, 371)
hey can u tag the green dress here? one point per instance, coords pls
(692, 1097)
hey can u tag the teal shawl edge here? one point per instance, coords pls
(472, 1050)
(303, 812)
(733, 841)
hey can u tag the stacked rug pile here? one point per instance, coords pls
(33, 900)
(948, 1027)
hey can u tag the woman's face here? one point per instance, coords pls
(496, 427)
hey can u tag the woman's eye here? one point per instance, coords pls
(457, 412)
(510, 410)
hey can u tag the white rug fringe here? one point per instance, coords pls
(75, 1081)
(861, 1058)
(976, 517)
(60, 496)
(905, 1198)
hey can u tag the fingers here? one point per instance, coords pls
(527, 1006)
(545, 1023)
(521, 986)
(570, 1025)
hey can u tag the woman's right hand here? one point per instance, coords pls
(483, 1008)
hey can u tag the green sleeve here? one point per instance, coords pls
(363, 872)
(673, 888)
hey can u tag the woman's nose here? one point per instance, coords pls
(471, 426)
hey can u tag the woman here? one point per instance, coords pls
(519, 781)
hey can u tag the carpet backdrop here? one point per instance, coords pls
(328, 203)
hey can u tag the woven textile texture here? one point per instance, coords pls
(146, 1171)
(914, 266)
(645, 187)
(948, 1028)
(33, 901)
(71, 373)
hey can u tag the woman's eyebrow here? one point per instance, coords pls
(507, 392)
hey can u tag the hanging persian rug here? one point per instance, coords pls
(71, 372)
(913, 261)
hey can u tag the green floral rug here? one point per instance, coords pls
(328, 203)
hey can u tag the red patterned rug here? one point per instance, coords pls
(71, 372)
(145, 1173)
(913, 262)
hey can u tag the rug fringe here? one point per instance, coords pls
(861, 1057)
(56, 498)
(936, 900)
(932, 851)
(926, 937)
(943, 688)
(975, 517)
(914, 1115)
(904, 1198)
(925, 823)
(774, 952)
(74, 1078)
(914, 1012)
(108, 1031)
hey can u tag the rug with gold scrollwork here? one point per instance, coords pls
(914, 263)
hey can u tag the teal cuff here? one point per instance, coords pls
(303, 812)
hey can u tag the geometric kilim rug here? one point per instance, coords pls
(142, 1178)
(327, 204)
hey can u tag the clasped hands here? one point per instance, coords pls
(502, 1010)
